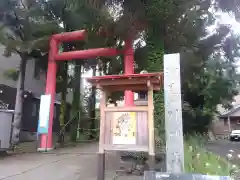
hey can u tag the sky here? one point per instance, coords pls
(226, 19)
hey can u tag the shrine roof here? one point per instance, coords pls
(135, 82)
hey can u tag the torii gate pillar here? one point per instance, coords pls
(129, 69)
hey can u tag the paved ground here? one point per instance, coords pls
(78, 163)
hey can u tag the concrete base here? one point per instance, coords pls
(26, 136)
(44, 149)
(3, 153)
(101, 166)
(151, 162)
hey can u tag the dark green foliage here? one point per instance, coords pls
(209, 75)
(170, 27)
(209, 78)
(76, 105)
(195, 120)
(155, 52)
(12, 74)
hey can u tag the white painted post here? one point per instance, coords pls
(173, 114)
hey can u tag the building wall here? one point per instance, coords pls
(221, 127)
(236, 100)
(235, 122)
(32, 83)
(36, 85)
(6, 64)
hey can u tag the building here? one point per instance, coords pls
(227, 120)
(34, 88)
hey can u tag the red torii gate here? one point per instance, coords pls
(54, 55)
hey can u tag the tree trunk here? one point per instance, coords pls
(62, 115)
(17, 121)
(76, 108)
(92, 108)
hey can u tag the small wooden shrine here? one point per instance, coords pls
(128, 128)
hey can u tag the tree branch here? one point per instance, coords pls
(18, 27)
(22, 3)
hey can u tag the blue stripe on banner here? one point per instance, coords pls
(42, 130)
(44, 112)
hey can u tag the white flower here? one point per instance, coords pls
(229, 156)
(219, 167)
(234, 166)
(231, 151)
(238, 156)
(143, 72)
(207, 164)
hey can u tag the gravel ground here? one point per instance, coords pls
(75, 163)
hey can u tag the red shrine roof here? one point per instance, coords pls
(134, 82)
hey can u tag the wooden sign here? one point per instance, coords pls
(151, 175)
(124, 128)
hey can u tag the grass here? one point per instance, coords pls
(199, 160)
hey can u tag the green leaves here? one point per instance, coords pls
(12, 74)
(209, 76)
(26, 28)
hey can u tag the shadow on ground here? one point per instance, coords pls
(75, 163)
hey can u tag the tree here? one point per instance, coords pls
(172, 26)
(185, 32)
(76, 15)
(24, 31)
(64, 79)
(209, 81)
(180, 26)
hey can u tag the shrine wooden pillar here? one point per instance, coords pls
(101, 151)
(123, 128)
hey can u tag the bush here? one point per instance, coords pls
(196, 120)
